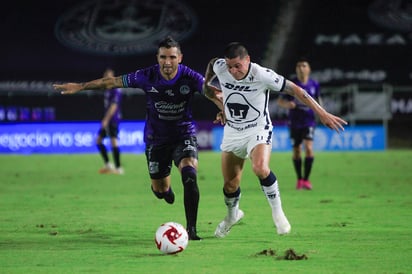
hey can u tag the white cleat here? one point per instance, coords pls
(224, 227)
(107, 169)
(118, 171)
(282, 223)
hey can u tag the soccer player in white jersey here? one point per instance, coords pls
(242, 95)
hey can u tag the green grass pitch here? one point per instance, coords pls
(58, 215)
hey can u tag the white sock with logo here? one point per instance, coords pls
(232, 204)
(273, 196)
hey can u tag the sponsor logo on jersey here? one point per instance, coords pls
(153, 90)
(241, 128)
(240, 110)
(242, 115)
(153, 167)
(123, 27)
(170, 111)
(169, 92)
(238, 87)
(184, 89)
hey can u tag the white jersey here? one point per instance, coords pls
(246, 101)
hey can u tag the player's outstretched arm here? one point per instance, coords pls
(285, 103)
(212, 92)
(98, 84)
(331, 121)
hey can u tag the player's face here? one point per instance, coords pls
(302, 69)
(169, 59)
(238, 67)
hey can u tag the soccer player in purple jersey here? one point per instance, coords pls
(169, 132)
(302, 123)
(110, 128)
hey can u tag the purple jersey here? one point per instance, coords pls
(302, 116)
(113, 96)
(168, 102)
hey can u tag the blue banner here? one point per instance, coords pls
(357, 138)
(26, 138)
(65, 137)
(354, 138)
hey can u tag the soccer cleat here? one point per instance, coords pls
(107, 169)
(191, 231)
(118, 171)
(169, 196)
(306, 185)
(281, 223)
(299, 184)
(224, 227)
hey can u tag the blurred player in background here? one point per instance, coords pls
(302, 122)
(110, 128)
(243, 97)
(169, 131)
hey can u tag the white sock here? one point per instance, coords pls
(273, 196)
(232, 205)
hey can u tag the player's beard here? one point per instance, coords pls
(168, 71)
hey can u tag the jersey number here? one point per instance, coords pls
(259, 138)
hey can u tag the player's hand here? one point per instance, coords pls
(215, 89)
(333, 122)
(104, 123)
(220, 118)
(68, 88)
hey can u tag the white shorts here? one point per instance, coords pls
(241, 145)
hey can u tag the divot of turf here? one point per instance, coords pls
(290, 254)
(267, 252)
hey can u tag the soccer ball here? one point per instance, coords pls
(171, 238)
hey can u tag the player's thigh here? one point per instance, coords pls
(159, 160)
(259, 149)
(235, 145)
(296, 136)
(308, 144)
(308, 136)
(186, 153)
(113, 130)
(260, 157)
(101, 134)
(308, 133)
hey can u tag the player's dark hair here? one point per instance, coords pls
(302, 59)
(168, 43)
(235, 49)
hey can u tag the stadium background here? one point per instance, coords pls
(356, 46)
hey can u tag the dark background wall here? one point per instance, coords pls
(32, 47)
(38, 45)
